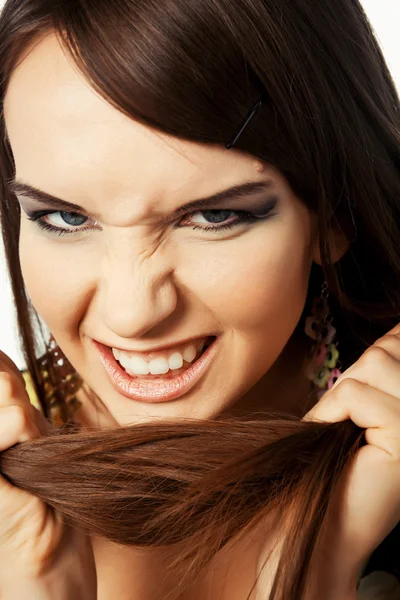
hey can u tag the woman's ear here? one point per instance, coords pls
(338, 245)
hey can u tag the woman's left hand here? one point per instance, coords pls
(367, 507)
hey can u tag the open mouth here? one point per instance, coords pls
(159, 378)
(163, 365)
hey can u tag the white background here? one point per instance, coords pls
(385, 18)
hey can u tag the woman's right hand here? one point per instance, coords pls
(37, 550)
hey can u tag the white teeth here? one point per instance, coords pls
(159, 366)
(138, 365)
(124, 360)
(131, 373)
(189, 354)
(175, 361)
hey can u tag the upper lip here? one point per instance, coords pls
(159, 348)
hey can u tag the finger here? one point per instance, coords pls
(395, 330)
(13, 393)
(16, 426)
(388, 441)
(367, 407)
(6, 364)
(379, 367)
(390, 343)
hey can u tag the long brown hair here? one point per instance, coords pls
(330, 123)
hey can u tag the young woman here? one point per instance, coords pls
(201, 200)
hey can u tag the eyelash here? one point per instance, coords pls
(244, 217)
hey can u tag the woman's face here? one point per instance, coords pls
(134, 268)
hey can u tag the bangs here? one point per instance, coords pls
(174, 66)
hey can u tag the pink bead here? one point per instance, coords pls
(335, 374)
(320, 354)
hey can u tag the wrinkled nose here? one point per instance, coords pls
(134, 300)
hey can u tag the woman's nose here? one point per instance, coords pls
(135, 299)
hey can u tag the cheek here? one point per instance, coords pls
(54, 281)
(258, 282)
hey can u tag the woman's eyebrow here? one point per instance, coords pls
(20, 188)
(236, 192)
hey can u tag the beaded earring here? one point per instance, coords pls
(61, 383)
(324, 367)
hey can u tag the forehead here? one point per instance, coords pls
(63, 134)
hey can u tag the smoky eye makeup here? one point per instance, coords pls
(224, 215)
(222, 219)
(258, 208)
(263, 208)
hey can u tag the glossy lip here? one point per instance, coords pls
(157, 389)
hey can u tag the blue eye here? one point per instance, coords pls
(223, 219)
(55, 221)
(72, 219)
(214, 220)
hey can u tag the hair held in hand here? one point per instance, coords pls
(330, 124)
(193, 485)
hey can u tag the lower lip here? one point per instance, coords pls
(154, 390)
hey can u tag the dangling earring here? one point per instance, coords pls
(324, 367)
(61, 383)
